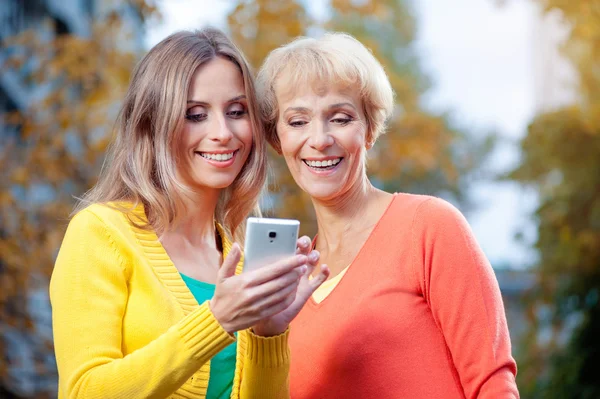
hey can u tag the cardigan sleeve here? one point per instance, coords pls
(89, 293)
(265, 372)
(461, 289)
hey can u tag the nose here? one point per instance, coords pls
(319, 138)
(220, 130)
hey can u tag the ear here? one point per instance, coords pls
(369, 145)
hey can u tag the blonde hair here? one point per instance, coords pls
(335, 59)
(142, 162)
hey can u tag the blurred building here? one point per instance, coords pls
(50, 18)
(32, 368)
(514, 286)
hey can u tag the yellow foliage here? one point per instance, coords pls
(20, 175)
(54, 156)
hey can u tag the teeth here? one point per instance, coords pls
(323, 164)
(217, 157)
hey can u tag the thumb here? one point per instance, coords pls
(230, 263)
(312, 284)
(320, 278)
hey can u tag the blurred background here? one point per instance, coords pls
(498, 111)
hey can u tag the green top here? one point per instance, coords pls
(222, 365)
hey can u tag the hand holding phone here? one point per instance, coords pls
(241, 301)
(274, 277)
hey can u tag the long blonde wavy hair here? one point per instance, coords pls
(142, 163)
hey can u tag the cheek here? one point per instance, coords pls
(244, 132)
(190, 135)
(289, 151)
(186, 136)
(286, 147)
(182, 144)
(289, 142)
(357, 139)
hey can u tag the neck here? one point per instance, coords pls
(344, 215)
(197, 224)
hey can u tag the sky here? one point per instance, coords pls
(480, 58)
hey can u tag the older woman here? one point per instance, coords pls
(412, 308)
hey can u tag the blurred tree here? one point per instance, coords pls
(561, 160)
(422, 151)
(55, 151)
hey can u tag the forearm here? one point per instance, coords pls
(154, 371)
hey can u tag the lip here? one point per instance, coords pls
(219, 164)
(326, 172)
(327, 158)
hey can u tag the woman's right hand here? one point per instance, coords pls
(240, 301)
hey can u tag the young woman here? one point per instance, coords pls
(412, 309)
(145, 297)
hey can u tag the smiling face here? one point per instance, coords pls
(217, 135)
(322, 132)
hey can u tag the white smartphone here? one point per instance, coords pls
(269, 240)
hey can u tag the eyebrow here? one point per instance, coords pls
(234, 99)
(297, 109)
(332, 106)
(339, 105)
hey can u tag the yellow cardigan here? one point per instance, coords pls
(126, 326)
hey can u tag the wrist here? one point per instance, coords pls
(268, 331)
(218, 317)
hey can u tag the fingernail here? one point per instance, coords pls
(313, 256)
(303, 270)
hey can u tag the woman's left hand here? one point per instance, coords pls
(278, 323)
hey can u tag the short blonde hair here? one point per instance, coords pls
(335, 59)
(143, 161)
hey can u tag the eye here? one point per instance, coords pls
(297, 123)
(195, 114)
(195, 117)
(237, 111)
(341, 119)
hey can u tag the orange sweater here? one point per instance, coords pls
(417, 315)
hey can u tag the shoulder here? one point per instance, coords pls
(440, 224)
(101, 224)
(94, 247)
(437, 210)
(101, 232)
(112, 216)
(429, 215)
(425, 209)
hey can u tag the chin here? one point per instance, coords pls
(322, 192)
(218, 184)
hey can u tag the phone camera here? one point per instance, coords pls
(272, 234)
